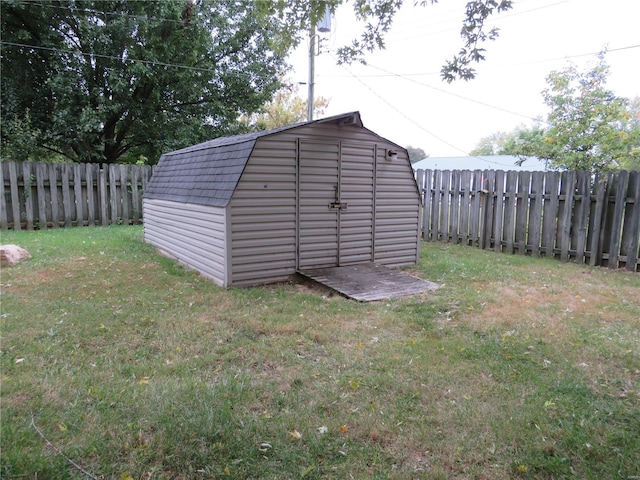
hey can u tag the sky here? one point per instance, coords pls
(402, 97)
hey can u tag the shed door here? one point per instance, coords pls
(336, 204)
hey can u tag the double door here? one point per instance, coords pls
(336, 203)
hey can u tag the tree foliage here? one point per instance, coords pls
(588, 128)
(377, 17)
(286, 108)
(104, 80)
(416, 154)
(521, 141)
(117, 80)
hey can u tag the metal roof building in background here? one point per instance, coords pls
(256, 208)
(481, 162)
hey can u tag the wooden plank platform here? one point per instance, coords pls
(368, 281)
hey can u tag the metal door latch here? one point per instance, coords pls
(338, 205)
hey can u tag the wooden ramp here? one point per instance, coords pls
(367, 282)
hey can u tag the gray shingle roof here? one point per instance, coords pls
(208, 173)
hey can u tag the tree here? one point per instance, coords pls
(632, 129)
(286, 108)
(521, 141)
(117, 80)
(416, 154)
(104, 80)
(378, 16)
(588, 128)
(588, 124)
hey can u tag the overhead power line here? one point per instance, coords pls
(484, 69)
(421, 127)
(110, 57)
(393, 107)
(456, 95)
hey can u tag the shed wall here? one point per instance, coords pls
(397, 241)
(263, 215)
(192, 234)
(264, 212)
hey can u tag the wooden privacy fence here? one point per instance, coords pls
(51, 195)
(573, 215)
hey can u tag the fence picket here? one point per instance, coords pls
(565, 208)
(465, 185)
(66, 194)
(476, 190)
(103, 194)
(435, 205)
(535, 213)
(91, 204)
(27, 193)
(488, 202)
(572, 215)
(550, 213)
(41, 175)
(428, 202)
(616, 221)
(522, 209)
(509, 210)
(42, 195)
(124, 194)
(581, 216)
(53, 189)
(498, 215)
(4, 217)
(15, 196)
(630, 235)
(77, 193)
(455, 206)
(445, 207)
(594, 242)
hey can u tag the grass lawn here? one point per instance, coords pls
(131, 367)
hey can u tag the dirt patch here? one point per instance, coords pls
(307, 286)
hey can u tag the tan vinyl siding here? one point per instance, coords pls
(192, 234)
(318, 177)
(263, 215)
(357, 188)
(397, 212)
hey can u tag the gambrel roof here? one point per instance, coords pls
(208, 173)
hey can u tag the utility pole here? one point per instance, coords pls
(312, 70)
(325, 26)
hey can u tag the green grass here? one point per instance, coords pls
(132, 366)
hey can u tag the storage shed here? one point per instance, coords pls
(256, 208)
